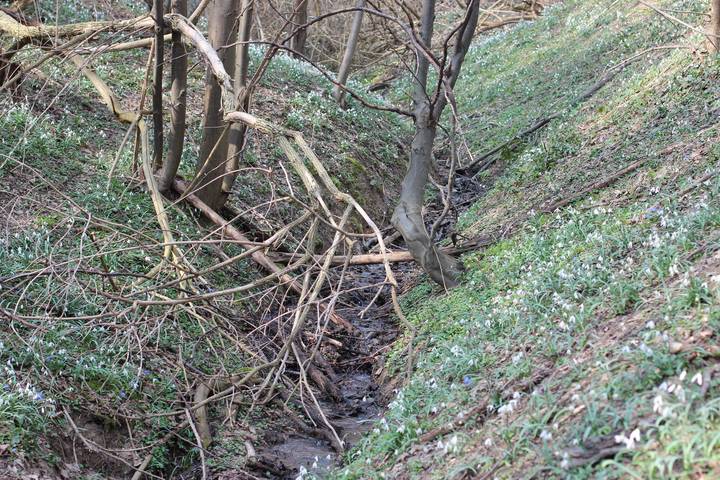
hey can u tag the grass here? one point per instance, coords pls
(565, 329)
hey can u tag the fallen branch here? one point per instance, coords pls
(391, 257)
(258, 256)
(17, 30)
(595, 186)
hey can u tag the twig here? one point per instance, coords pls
(201, 448)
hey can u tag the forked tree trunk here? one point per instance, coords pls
(344, 70)
(408, 218)
(714, 31)
(300, 17)
(238, 130)
(178, 99)
(222, 18)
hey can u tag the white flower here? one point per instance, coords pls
(488, 442)
(629, 441)
(545, 435)
(698, 378)
(658, 404)
(683, 375)
(680, 393)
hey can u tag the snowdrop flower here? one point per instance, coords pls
(488, 442)
(650, 325)
(680, 393)
(658, 404)
(545, 435)
(698, 378)
(682, 375)
(508, 407)
(629, 441)
(565, 464)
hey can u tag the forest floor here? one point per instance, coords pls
(583, 343)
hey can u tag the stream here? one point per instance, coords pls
(296, 453)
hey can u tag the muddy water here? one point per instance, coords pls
(361, 405)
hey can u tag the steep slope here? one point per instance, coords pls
(583, 343)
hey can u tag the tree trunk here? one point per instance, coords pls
(237, 130)
(158, 13)
(407, 217)
(222, 17)
(300, 17)
(344, 71)
(178, 99)
(714, 38)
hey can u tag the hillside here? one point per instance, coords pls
(583, 343)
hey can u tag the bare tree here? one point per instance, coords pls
(344, 71)
(178, 99)
(428, 105)
(300, 18)
(714, 34)
(222, 15)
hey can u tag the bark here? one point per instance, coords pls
(12, 28)
(344, 71)
(237, 130)
(714, 37)
(158, 13)
(178, 99)
(300, 17)
(214, 146)
(408, 218)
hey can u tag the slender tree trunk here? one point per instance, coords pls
(300, 17)
(407, 217)
(158, 13)
(238, 129)
(344, 71)
(178, 99)
(714, 39)
(222, 15)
